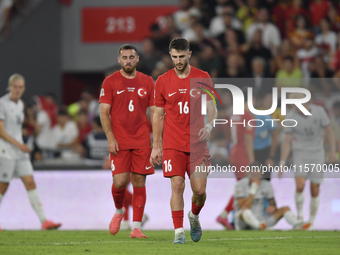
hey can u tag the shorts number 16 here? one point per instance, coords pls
(167, 165)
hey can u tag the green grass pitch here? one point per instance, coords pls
(160, 242)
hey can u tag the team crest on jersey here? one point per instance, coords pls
(142, 92)
(195, 93)
(102, 93)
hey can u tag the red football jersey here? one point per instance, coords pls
(238, 131)
(182, 105)
(129, 99)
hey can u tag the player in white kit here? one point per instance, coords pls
(249, 202)
(14, 157)
(306, 142)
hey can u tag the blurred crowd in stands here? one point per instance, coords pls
(263, 40)
(9, 8)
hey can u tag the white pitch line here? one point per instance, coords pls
(264, 238)
(204, 240)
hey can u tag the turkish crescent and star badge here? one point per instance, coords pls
(142, 92)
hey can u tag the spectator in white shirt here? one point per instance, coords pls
(219, 24)
(306, 56)
(196, 32)
(270, 33)
(65, 134)
(42, 128)
(181, 17)
(327, 40)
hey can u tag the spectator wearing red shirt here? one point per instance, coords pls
(335, 58)
(279, 15)
(301, 30)
(334, 18)
(83, 125)
(295, 10)
(318, 9)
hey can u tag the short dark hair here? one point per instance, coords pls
(327, 20)
(154, 27)
(289, 58)
(127, 47)
(82, 111)
(62, 112)
(89, 90)
(97, 121)
(179, 44)
(51, 95)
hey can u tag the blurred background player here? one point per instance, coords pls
(266, 137)
(242, 152)
(183, 149)
(124, 99)
(250, 195)
(14, 157)
(305, 140)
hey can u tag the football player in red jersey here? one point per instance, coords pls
(124, 98)
(182, 149)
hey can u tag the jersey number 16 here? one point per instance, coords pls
(183, 109)
(167, 165)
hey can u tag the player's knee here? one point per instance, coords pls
(120, 183)
(199, 193)
(285, 209)
(178, 189)
(299, 187)
(138, 181)
(30, 185)
(315, 191)
(3, 188)
(178, 186)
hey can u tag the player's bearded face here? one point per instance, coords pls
(180, 59)
(128, 60)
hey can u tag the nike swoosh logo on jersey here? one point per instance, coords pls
(172, 94)
(147, 168)
(119, 92)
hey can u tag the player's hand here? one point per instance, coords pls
(24, 148)
(254, 187)
(62, 145)
(204, 134)
(112, 145)
(270, 209)
(156, 157)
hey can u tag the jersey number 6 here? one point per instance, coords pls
(131, 107)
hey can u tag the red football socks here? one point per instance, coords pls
(230, 205)
(177, 218)
(127, 202)
(138, 203)
(195, 209)
(118, 196)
